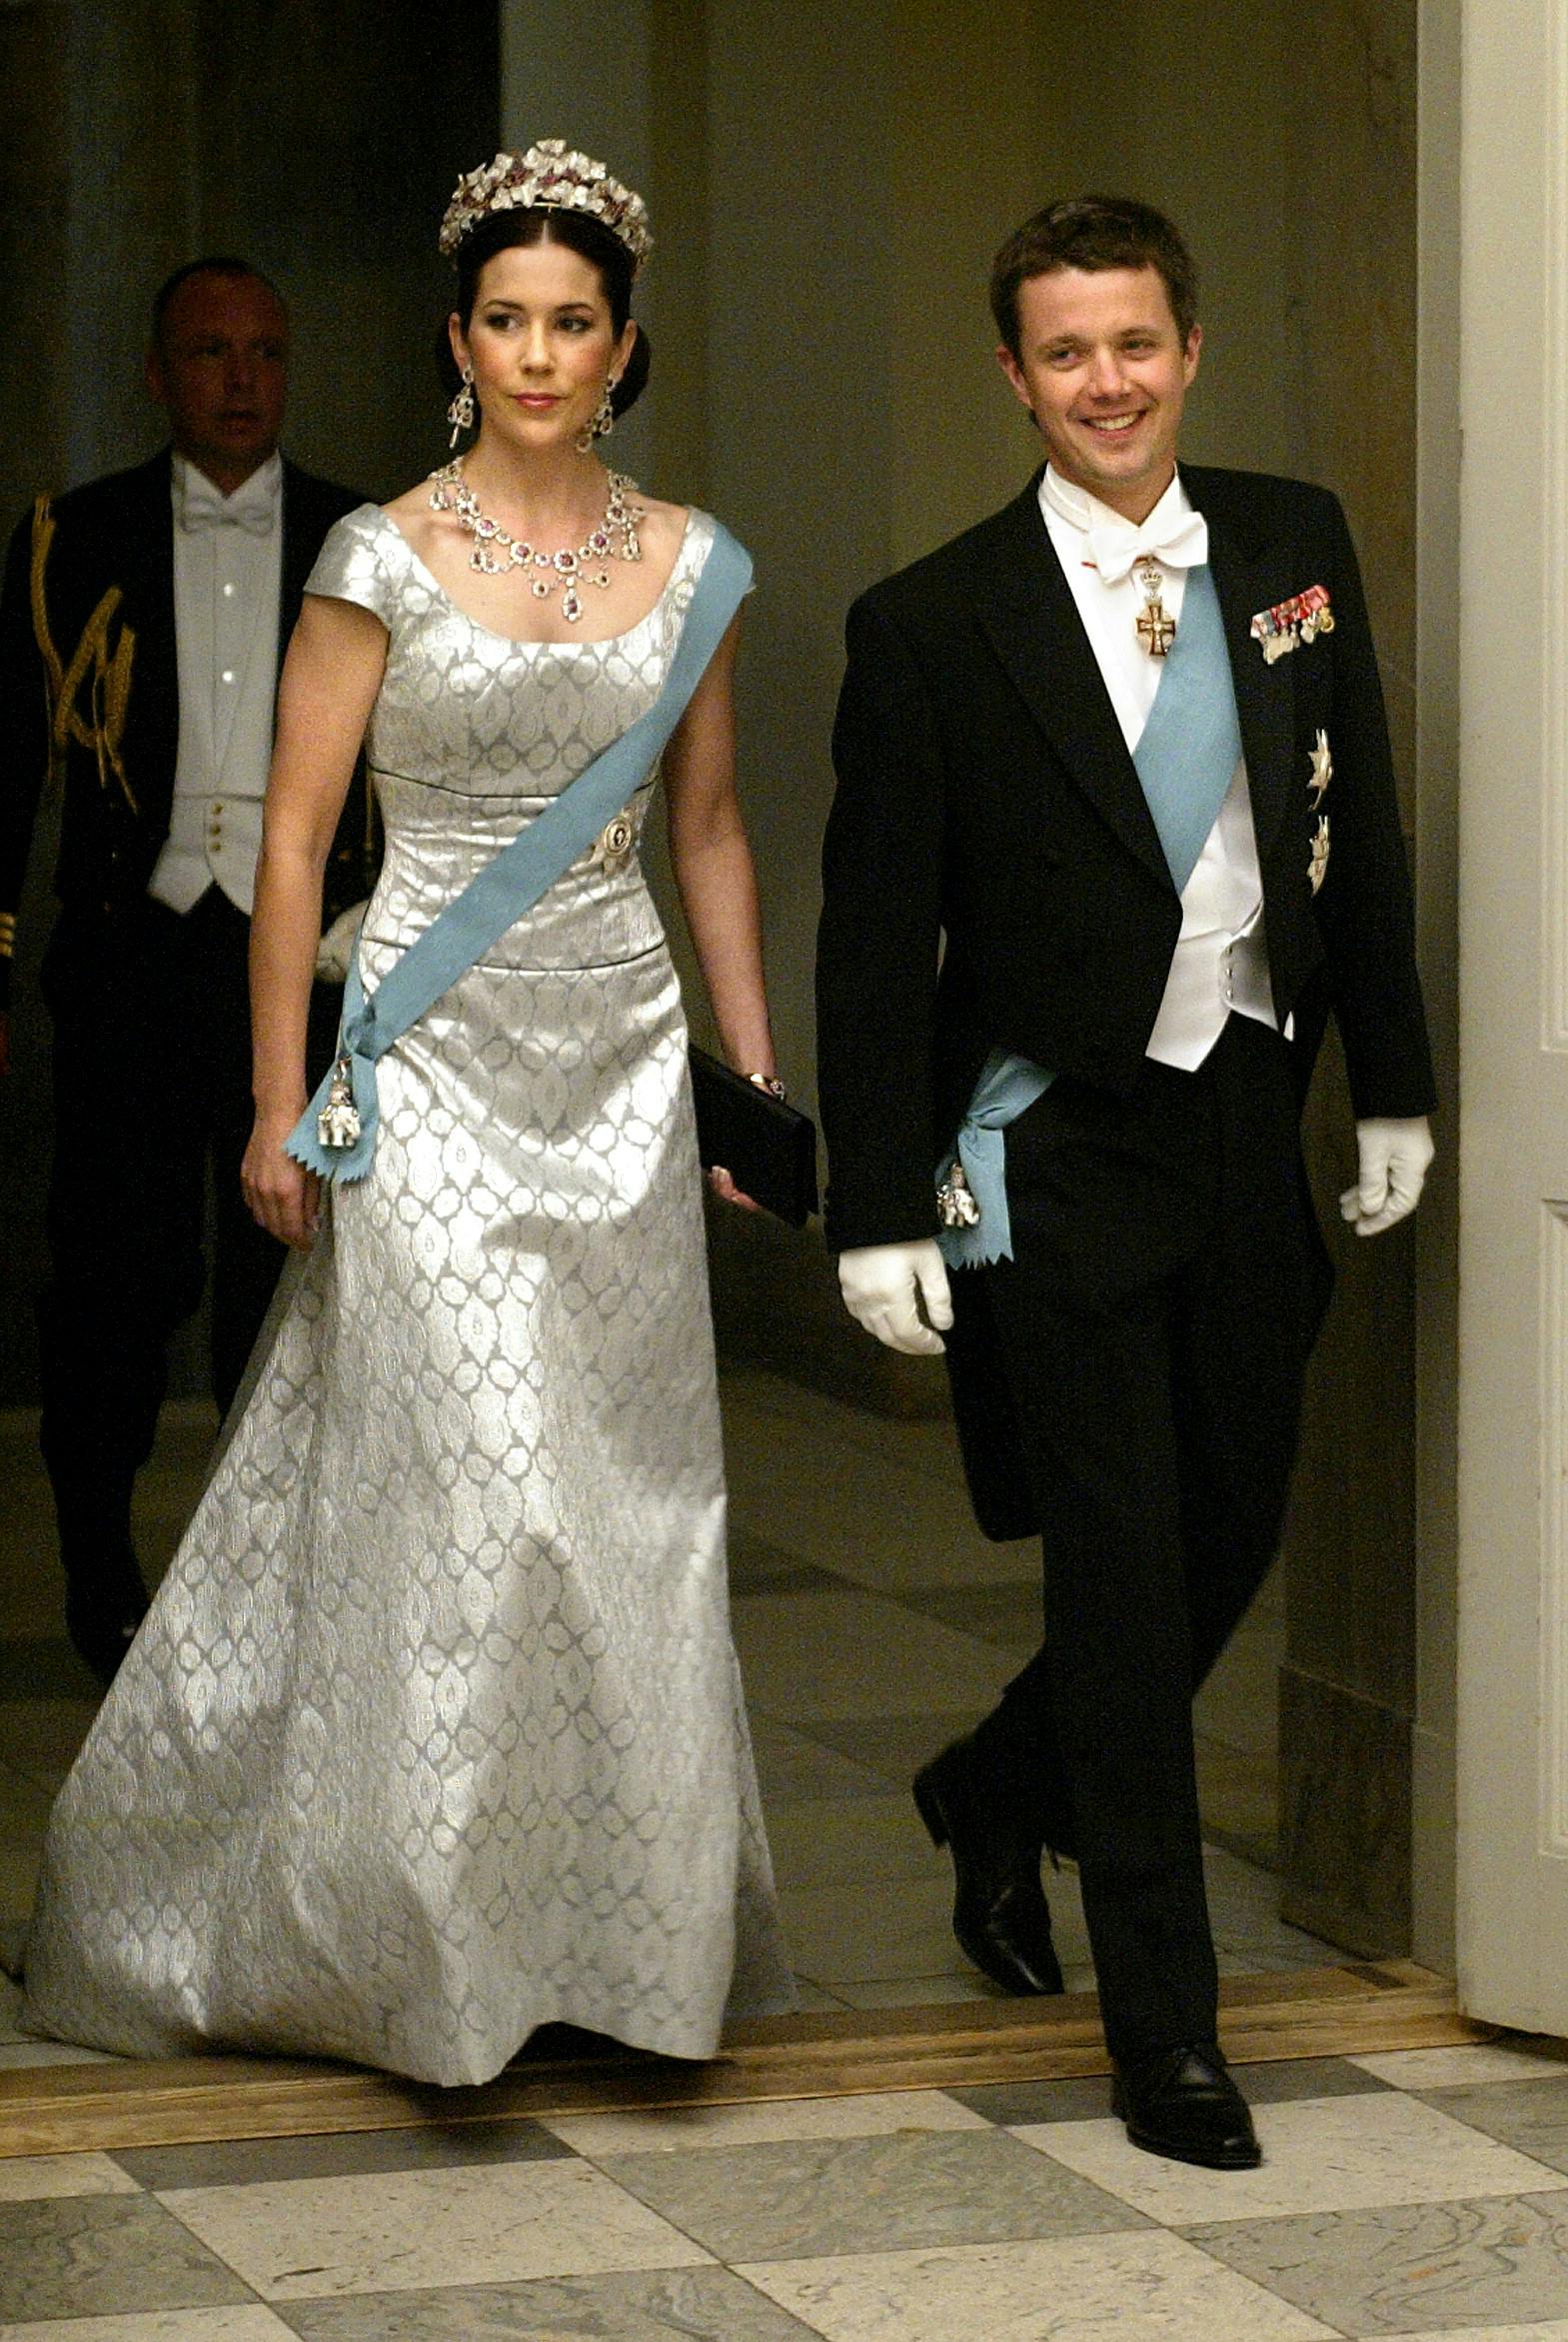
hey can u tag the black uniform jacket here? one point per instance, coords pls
(992, 875)
(89, 686)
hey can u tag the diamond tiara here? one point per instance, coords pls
(548, 177)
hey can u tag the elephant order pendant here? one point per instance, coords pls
(338, 1124)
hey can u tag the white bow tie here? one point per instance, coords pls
(1112, 546)
(202, 508)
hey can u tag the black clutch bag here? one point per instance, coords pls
(767, 1147)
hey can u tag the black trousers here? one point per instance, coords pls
(1167, 1282)
(152, 1084)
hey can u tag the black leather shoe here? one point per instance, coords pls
(1183, 2103)
(999, 1913)
(103, 1609)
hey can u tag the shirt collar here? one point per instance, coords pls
(265, 485)
(1079, 510)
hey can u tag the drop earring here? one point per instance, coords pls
(461, 412)
(603, 424)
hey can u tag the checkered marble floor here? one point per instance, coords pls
(1423, 2194)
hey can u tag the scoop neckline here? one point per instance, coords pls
(529, 642)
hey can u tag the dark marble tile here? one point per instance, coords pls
(1083, 2101)
(892, 1747)
(1283, 2079)
(40, 1666)
(1410, 2268)
(795, 1577)
(1014, 2102)
(1532, 2116)
(695, 2305)
(1009, 1613)
(793, 1767)
(102, 2256)
(886, 2194)
(339, 2155)
(758, 1568)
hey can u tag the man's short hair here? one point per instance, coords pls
(1093, 232)
(214, 264)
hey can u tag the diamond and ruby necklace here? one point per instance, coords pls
(496, 550)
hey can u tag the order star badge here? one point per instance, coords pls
(1322, 770)
(1317, 868)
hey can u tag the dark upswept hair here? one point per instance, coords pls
(213, 264)
(1093, 232)
(551, 224)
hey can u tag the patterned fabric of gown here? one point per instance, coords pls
(434, 1732)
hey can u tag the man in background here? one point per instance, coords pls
(142, 618)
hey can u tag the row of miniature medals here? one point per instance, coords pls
(496, 550)
(956, 1204)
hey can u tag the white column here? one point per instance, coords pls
(1513, 1413)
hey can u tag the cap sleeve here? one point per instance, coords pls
(355, 564)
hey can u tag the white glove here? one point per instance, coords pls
(336, 948)
(1393, 1159)
(899, 1293)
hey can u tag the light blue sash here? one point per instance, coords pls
(1185, 759)
(513, 882)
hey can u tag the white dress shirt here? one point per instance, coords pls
(1220, 963)
(228, 569)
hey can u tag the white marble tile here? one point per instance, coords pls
(388, 2231)
(158, 2325)
(1553, 2330)
(1319, 2155)
(917, 1991)
(1477, 2061)
(26, 2177)
(682, 2128)
(1137, 2288)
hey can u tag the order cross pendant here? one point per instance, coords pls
(1157, 626)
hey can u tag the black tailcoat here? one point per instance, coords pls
(993, 878)
(99, 707)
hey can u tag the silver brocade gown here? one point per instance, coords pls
(434, 1732)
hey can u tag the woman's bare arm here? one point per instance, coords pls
(713, 865)
(333, 670)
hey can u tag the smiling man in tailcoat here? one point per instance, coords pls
(1115, 830)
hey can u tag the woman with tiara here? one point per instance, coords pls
(434, 1732)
